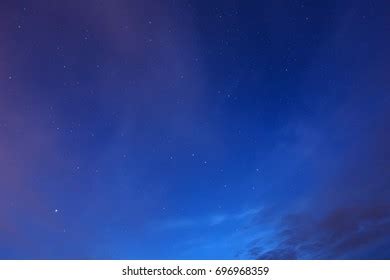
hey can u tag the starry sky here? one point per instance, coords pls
(175, 129)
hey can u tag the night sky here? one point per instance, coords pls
(177, 129)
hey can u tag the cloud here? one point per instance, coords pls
(215, 219)
(347, 213)
(341, 233)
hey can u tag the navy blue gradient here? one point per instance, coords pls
(194, 129)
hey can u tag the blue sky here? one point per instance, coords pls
(194, 130)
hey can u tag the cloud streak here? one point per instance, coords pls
(210, 220)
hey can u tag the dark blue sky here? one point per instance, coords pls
(194, 129)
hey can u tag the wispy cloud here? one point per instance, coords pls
(348, 217)
(214, 219)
